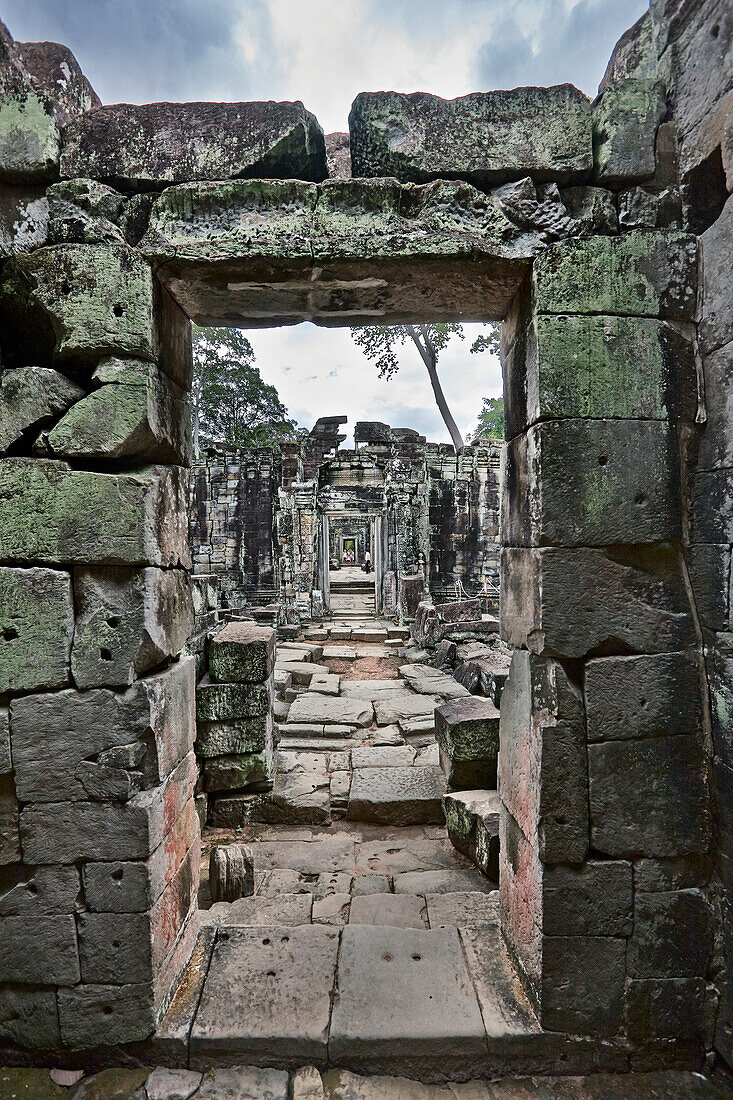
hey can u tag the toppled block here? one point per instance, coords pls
(468, 735)
(472, 820)
(36, 628)
(143, 147)
(31, 397)
(484, 138)
(231, 872)
(242, 653)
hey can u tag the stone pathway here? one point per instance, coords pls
(306, 1083)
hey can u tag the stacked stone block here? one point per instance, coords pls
(468, 735)
(605, 819)
(234, 705)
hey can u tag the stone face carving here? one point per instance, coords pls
(482, 137)
(141, 147)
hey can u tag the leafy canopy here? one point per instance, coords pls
(380, 342)
(233, 406)
(490, 421)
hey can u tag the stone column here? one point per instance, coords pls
(99, 837)
(605, 821)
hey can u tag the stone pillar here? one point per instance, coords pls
(605, 821)
(99, 838)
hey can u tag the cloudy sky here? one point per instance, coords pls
(324, 52)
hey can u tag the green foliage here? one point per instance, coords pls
(232, 404)
(490, 421)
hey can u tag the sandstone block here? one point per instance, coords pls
(716, 321)
(36, 628)
(241, 771)
(9, 822)
(23, 220)
(625, 119)
(634, 55)
(593, 899)
(711, 519)
(236, 736)
(6, 762)
(583, 984)
(80, 301)
(638, 274)
(31, 397)
(472, 820)
(100, 744)
(54, 513)
(91, 1015)
(39, 891)
(232, 702)
(83, 211)
(665, 1008)
(596, 367)
(313, 707)
(65, 832)
(591, 483)
(672, 936)
(468, 734)
(231, 872)
(55, 74)
(127, 621)
(40, 951)
(648, 797)
(28, 1018)
(570, 602)
(30, 142)
(631, 697)
(120, 886)
(137, 412)
(542, 764)
(716, 444)
(137, 148)
(242, 652)
(482, 137)
(397, 796)
(709, 567)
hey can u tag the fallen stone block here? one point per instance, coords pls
(302, 672)
(325, 684)
(80, 301)
(393, 708)
(127, 621)
(100, 744)
(368, 756)
(314, 708)
(468, 735)
(31, 398)
(36, 628)
(368, 634)
(138, 148)
(242, 653)
(55, 513)
(231, 872)
(472, 820)
(482, 138)
(137, 412)
(397, 796)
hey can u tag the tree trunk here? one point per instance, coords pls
(430, 360)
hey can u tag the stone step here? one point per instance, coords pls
(472, 818)
(397, 795)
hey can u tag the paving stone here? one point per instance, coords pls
(367, 634)
(332, 909)
(393, 857)
(325, 684)
(427, 756)
(286, 880)
(340, 786)
(244, 1083)
(370, 689)
(420, 726)
(388, 757)
(396, 910)
(172, 1084)
(267, 997)
(405, 1002)
(314, 708)
(393, 708)
(286, 909)
(306, 1084)
(302, 672)
(324, 855)
(365, 885)
(463, 909)
(441, 882)
(387, 735)
(170, 1042)
(339, 652)
(397, 796)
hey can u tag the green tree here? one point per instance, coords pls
(380, 342)
(232, 405)
(490, 420)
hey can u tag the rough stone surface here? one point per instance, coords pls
(127, 622)
(472, 820)
(631, 697)
(231, 872)
(54, 513)
(36, 628)
(625, 119)
(232, 702)
(482, 137)
(142, 147)
(397, 796)
(468, 734)
(242, 652)
(313, 707)
(396, 910)
(30, 397)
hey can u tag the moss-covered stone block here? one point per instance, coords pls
(592, 483)
(227, 702)
(31, 397)
(36, 628)
(79, 301)
(242, 652)
(232, 736)
(53, 513)
(246, 771)
(137, 412)
(468, 735)
(599, 367)
(625, 119)
(638, 274)
(30, 142)
(484, 137)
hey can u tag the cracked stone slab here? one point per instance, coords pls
(285, 909)
(395, 857)
(396, 910)
(405, 1003)
(441, 882)
(322, 854)
(267, 997)
(397, 796)
(463, 909)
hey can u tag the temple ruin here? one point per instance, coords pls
(550, 890)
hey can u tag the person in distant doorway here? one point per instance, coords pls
(367, 562)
